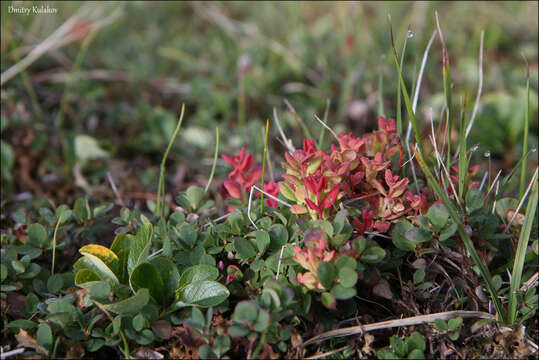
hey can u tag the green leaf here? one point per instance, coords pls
(140, 247)
(130, 305)
(170, 275)
(147, 276)
(448, 232)
(373, 255)
(328, 300)
(440, 324)
(278, 236)
(85, 275)
(245, 312)
(454, 324)
(55, 283)
(120, 246)
(37, 235)
(221, 345)
(7, 159)
(417, 235)
(262, 321)
(416, 341)
(22, 324)
(497, 281)
(385, 354)
(238, 330)
(343, 293)
(262, 241)
(18, 266)
(347, 276)
(416, 354)
(97, 266)
(474, 199)
(198, 273)
(30, 304)
(61, 312)
(79, 208)
(203, 293)
(345, 261)
(419, 276)
(206, 352)
(340, 221)
(326, 273)
(245, 248)
(44, 336)
(399, 346)
(3, 272)
(398, 236)
(194, 195)
(139, 322)
(438, 215)
(99, 290)
(107, 256)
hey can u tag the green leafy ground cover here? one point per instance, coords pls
(133, 226)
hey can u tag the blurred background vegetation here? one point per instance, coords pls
(107, 95)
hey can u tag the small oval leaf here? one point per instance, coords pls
(130, 305)
(198, 273)
(106, 255)
(203, 293)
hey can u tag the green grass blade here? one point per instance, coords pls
(215, 157)
(463, 160)
(76, 65)
(446, 76)
(381, 95)
(525, 140)
(399, 107)
(518, 266)
(264, 167)
(54, 244)
(161, 186)
(463, 234)
(405, 95)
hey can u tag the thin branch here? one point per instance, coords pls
(414, 320)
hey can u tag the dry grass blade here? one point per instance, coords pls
(64, 35)
(287, 142)
(479, 86)
(534, 178)
(414, 320)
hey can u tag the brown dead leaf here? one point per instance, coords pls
(76, 349)
(25, 340)
(382, 289)
(162, 329)
(146, 353)
(268, 353)
(367, 349)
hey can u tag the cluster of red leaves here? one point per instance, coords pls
(242, 178)
(358, 168)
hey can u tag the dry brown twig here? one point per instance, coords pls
(414, 320)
